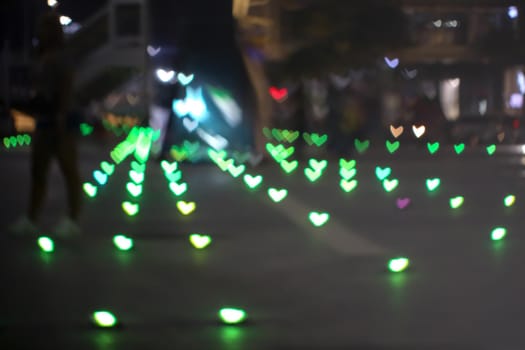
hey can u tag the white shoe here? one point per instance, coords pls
(23, 226)
(67, 228)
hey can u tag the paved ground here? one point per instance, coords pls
(303, 287)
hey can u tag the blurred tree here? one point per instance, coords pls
(333, 34)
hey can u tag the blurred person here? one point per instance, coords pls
(56, 131)
(338, 142)
(427, 111)
(353, 119)
(161, 114)
(299, 119)
(207, 45)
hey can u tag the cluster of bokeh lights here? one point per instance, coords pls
(138, 143)
(279, 147)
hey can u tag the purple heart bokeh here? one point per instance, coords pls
(402, 203)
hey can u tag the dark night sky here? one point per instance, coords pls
(18, 17)
(191, 22)
(181, 21)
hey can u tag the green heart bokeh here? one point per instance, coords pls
(348, 186)
(433, 147)
(383, 173)
(392, 146)
(277, 195)
(252, 181)
(287, 166)
(318, 219)
(361, 146)
(459, 148)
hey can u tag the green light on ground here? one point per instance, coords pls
(348, 186)
(347, 164)
(398, 264)
(173, 177)
(104, 319)
(312, 175)
(456, 202)
(107, 167)
(316, 170)
(131, 209)
(90, 189)
(122, 242)
(287, 166)
(232, 315)
(390, 185)
(361, 146)
(252, 181)
(85, 129)
(290, 135)
(168, 167)
(133, 189)
(123, 149)
(235, 171)
(347, 174)
(314, 138)
(432, 184)
(433, 147)
(277, 195)
(186, 208)
(27, 139)
(279, 152)
(224, 164)
(318, 165)
(143, 144)
(509, 200)
(383, 173)
(137, 177)
(138, 167)
(491, 149)
(200, 241)
(318, 219)
(392, 146)
(46, 244)
(100, 177)
(459, 148)
(178, 189)
(498, 233)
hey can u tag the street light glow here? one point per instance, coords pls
(52, 3)
(512, 12)
(65, 20)
(165, 76)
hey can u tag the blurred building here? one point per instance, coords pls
(469, 54)
(105, 41)
(129, 55)
(473, 48)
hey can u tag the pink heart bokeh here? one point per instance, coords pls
(402, 203)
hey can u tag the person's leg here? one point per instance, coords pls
(68, 161)
(41, 153)
(159, 120)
